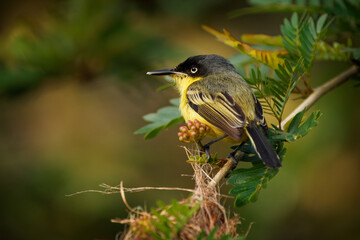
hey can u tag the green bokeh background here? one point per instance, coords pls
(73, 90)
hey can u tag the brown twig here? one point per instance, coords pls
(122, 192)
(112, 190)
(229, 165)
(321, 91)
(115, 190)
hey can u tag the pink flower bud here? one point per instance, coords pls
(201, 130)
(183, 129)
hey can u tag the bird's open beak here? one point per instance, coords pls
(170, 71)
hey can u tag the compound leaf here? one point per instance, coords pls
(164, 118)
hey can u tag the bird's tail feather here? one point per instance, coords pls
(263, 147)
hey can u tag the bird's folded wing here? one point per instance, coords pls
(219, 109)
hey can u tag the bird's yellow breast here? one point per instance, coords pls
(187, 112)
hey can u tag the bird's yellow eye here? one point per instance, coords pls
(193, 70)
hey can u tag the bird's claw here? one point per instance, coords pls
(207, 151)
(232, 156)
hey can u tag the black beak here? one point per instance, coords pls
(170, 71)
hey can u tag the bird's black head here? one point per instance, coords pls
(199, 66)
(203, 65)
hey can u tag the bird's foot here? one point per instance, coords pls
(232, 156)
(194, 132)
(207, 151)
(235, 163)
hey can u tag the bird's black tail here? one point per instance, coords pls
(263, 147)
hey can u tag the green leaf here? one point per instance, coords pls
(248, 182)
(282, 88)
(298, 128)
(301, 38)
(294, 20)
(163, 225)
(164, 118)
(175, 101)
(320, 23)
(295, 123)
(275, 93)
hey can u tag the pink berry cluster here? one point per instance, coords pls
(195, 131)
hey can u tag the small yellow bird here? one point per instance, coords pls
(214, 93)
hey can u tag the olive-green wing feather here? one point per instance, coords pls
(219, 109)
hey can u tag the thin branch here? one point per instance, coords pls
(122, 192)
(229, 165)
(111, 190)
(115, 190)
(321, 91)
(222, 173)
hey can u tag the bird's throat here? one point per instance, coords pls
(183, 82)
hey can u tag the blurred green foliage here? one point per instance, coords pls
(88, 38)
(164, 225)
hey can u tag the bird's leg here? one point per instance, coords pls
(200, 145)
(207, 146)
(232, 154)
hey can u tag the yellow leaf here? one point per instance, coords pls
(262, 39)
(270, 58)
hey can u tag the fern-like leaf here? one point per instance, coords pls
(261, 84)
(282, 88)
(248, 182)
(272, 93)
(298, 127)
(301, 37)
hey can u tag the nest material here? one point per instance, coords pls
(210, 214)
